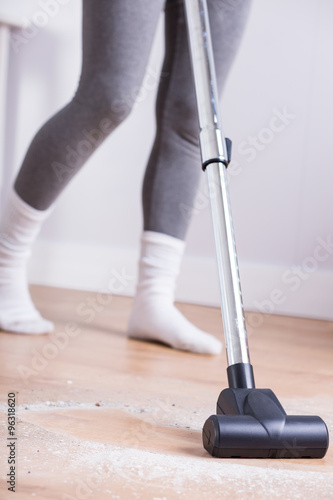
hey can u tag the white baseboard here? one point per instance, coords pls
(266, 288)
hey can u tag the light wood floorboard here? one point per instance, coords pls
(104, 417)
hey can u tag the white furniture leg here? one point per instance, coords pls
(5, 26)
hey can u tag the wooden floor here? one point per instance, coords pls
(104, 417)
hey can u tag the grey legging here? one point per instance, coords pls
(117, 38)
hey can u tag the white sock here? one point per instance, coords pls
(19, 226)
(154, 316)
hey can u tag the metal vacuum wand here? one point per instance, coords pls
(215, 158)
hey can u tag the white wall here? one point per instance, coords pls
(281, 195)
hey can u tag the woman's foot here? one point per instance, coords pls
(154, 320)
(154, 316)
(17, 311)
(19, 226)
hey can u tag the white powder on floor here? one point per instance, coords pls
(202, 475)
(106, 465)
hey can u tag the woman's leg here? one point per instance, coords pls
(117, 38)
(174, 167)
(173, 174)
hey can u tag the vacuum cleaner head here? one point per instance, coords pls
(251, 423)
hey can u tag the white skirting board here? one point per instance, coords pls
(266, 288)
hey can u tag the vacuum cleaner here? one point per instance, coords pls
(250, 422)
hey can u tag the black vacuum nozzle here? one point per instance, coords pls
(251, 423)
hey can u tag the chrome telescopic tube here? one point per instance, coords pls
(215, 159)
